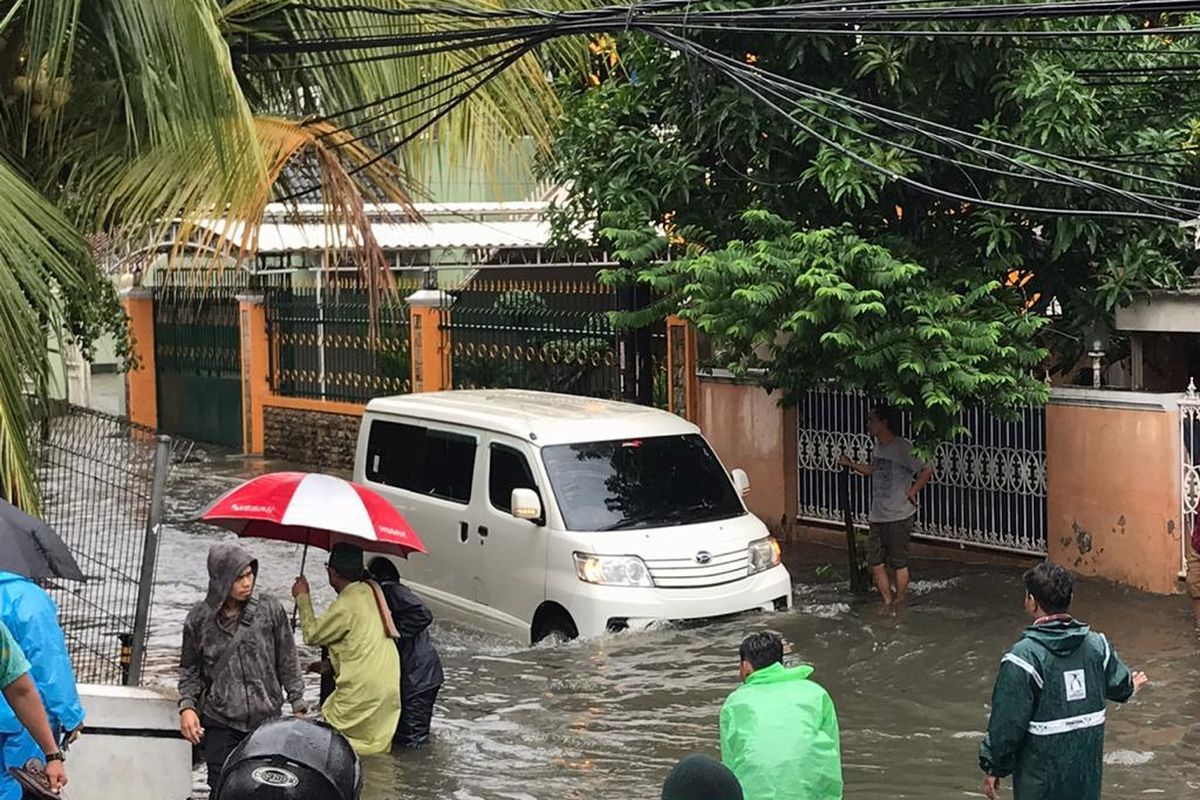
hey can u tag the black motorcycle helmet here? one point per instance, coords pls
(291, 759)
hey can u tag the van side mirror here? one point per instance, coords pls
(526, 504)
(741, 481)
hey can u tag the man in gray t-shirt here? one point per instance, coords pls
(897, 475)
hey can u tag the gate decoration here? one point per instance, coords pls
(988, 489)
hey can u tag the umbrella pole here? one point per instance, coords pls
(303, 561)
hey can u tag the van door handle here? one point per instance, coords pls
(464, 532)
(483, 532)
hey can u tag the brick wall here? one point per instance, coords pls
(316, 439)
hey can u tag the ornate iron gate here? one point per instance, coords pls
(197, 356)
(988, 490)
(1189, 483)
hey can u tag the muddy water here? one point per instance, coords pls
(606, 719)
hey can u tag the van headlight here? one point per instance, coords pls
(763, 554)
(612, 570)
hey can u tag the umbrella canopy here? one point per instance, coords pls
(30, 547)
(311, 509)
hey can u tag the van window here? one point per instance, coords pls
(421, 460)
(508, 470)
(657, 482)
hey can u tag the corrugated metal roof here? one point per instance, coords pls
(290, 237)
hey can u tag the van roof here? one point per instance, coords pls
(541, 417)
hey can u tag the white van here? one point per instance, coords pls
(554, 515)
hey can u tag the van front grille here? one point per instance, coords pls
(689, 573)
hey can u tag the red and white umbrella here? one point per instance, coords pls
(311, 509)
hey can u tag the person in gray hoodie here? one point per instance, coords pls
(238, 660)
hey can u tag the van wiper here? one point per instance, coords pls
(636, 519)
(675, 516)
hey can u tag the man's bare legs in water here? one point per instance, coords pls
(883, 583)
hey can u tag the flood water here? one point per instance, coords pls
(606, 719)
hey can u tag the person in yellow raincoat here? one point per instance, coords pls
(357, 630)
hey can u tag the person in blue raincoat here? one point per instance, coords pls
(32, 618)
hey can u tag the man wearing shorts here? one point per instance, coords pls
(897, 476)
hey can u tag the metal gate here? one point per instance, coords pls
(1189, 484)
(103, 481)
(988, 489)
(197, 357)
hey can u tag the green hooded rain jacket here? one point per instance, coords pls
(1048, 707)
(779, 735)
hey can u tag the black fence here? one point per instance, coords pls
(322, 347)
(103, 480)
(554, 336)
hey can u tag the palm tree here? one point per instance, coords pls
(123, 116)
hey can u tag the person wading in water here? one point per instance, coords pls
(894, 492)
(1048, 706)
(358, 630)
(238, 660)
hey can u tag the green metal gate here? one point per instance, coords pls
(198, 363)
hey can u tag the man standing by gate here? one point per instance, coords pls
(897, 476)
(1048, 706)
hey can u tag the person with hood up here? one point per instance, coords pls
(779, 730)
(358, 630)
(238, 661)
(32, 618)
(421, 674)
(1048, 705)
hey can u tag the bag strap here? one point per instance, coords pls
(244, 623)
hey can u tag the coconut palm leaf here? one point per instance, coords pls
(39, 252)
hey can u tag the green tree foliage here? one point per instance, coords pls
(670, 156)
(826, 306)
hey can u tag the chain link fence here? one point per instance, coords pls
(103, 480)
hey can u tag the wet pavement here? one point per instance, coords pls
(606, 719)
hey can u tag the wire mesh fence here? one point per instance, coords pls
(102, 480)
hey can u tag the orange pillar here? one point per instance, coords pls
(141, 383)
(256, 356)
(429, 310)
(683, 388)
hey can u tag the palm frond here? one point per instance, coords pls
(39, 250)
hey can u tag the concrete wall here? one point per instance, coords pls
(749, 429)
(1113, 482)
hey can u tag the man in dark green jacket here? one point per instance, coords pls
(1048, 706)
(779, 731)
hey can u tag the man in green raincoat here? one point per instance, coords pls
(358, 631)
(779, 731)
(1048, 706)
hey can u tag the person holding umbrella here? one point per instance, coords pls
(327, 512)
(358, 630)
(238, 660)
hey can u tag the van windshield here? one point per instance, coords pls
(634, 484)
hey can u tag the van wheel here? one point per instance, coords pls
(554, 626)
